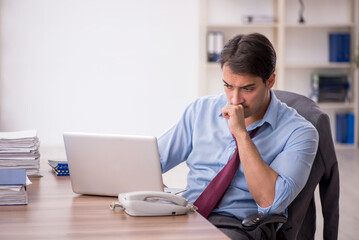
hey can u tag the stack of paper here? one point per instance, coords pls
(20, 150)
(13, 186)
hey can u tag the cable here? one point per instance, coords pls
(113, 205)
(301, 11)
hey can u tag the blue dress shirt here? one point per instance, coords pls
(286, 142)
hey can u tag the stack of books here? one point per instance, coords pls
(13, 187)
(20, 150)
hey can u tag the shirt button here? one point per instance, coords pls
(230, 149)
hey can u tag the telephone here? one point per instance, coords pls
(152, 203)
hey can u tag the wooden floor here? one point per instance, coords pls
(349, 196)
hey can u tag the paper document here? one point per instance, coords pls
(20, 150)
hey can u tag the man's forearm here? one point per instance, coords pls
(260, 178)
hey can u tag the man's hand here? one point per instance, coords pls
(235, 116)
(261, 179)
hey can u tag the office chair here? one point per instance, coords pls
(301, 221)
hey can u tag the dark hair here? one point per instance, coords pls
(249, 54)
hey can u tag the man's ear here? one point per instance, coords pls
(270, 82)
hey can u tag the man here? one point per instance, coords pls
(274, 164)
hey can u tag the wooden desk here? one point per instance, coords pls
(55, 212)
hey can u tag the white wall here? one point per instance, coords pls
(110, 66)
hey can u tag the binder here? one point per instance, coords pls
(12, 176)
(219, 41)
(339, 47)
(350, 128)
(13, 187)
(61, 168)
(346, 47)
(215, 41)
(210, 47)
(330, 88)
(344, 128)
(334, 48)
(340, 128)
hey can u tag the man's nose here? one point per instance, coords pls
(237, 97)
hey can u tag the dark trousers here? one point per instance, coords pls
(232, 227)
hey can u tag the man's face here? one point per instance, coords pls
(247, 90)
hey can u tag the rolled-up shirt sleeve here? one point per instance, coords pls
(293, 166)
(176, 144)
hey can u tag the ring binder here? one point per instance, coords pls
(61, 168)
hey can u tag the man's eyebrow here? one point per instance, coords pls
(249, 85)
(245, 86)
(225, 83)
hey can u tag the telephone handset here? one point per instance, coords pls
(152, 203)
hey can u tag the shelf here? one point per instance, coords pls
(212, 65)
(336, 105)
(344, 146)
(302, 49)
(242, 25)
(318, 65)
(320, 25)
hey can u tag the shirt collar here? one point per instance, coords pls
(269, 117)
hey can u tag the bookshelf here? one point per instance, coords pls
(302, 49)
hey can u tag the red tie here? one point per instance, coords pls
(215, 190)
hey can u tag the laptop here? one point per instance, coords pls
(109, 164)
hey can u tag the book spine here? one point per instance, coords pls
(339, 47)
(340, 128)
(333, 44)
(219, 41)
(215, 41)
(350, 128)
(346, 47)
(345, 128)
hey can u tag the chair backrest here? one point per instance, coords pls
(301, 222)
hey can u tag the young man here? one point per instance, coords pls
(275, 161)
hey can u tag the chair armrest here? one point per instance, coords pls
(254, 221)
